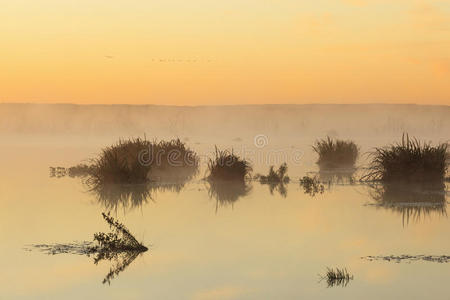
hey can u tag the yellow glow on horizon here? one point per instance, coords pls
(225, 52)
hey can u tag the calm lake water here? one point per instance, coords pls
(262, 246)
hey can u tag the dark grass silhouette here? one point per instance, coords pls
(118, 246)
(335, 153)
(226, 166)
(408, 162)
(139, 160)
(414, 202)
(276, 180)
(337, 277)
(227, 177)
(312, 185)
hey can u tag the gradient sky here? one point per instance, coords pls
(225, 51)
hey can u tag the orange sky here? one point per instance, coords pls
(225, 52)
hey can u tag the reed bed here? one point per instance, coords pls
(335, 153)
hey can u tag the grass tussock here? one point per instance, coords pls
(409, 161)
(226, 166)
(335, 153)
(139, 160)
(337, 277)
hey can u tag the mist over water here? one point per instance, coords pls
(206, 241)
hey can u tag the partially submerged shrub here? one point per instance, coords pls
(338, 277)
(226, 166)
(312, 185)
(409, 161)
(275, 179)
(335, 153)
(278, 176)
(119, 246)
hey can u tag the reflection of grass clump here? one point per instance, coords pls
(227, 192)
(228, 166)
(336, 153)
(409, 161)
(338, 277)
(311, 185)
(411, 201)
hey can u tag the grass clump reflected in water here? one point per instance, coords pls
(227, 177)
(119, 246)
(226, 166)
(338, 277)
(275, 179)
(335, 153)
(409, 161)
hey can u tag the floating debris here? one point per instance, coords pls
(409, 258)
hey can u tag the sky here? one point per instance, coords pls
(204, 52)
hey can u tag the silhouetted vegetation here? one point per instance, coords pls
(119, 246)
(335, 153)
(139, 160)
(311, 185)
(338, 277)
(412, 201)
(409, 161)
(276, 180)
(226, 166)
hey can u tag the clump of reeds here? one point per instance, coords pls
(409, 161)
(312, 185)
(335, 153)
(338, 277)
(135, 161)
(226, 166)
